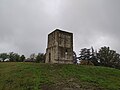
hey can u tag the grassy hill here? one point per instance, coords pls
(36, 76)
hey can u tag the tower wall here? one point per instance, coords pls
(60, 47)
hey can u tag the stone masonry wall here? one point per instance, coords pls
(60, 47)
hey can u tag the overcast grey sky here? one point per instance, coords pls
(24, 24)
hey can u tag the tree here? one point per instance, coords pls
(74, 57)
(89, 55)
(14, 57)
(33, 57)
(108, 57)
(11, 56)
(3, 56)
(22, 58)
(85, 54)
(94, 59)
(40, 57)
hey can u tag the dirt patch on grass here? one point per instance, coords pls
(70, 85)
(73, 86)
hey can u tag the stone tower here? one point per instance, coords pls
(60, 47)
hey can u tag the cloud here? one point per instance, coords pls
(25, 24)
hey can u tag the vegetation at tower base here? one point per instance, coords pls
(37, 76)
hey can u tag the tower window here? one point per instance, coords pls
(66, 51)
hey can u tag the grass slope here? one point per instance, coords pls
(36, 76)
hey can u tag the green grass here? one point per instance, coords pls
(36, 76)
